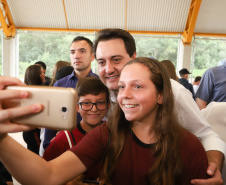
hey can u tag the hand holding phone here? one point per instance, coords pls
(59, 106)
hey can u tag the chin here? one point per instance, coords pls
(129, 118)
(112, 87)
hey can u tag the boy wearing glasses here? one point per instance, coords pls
(93, 104)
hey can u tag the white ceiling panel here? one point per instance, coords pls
(137, 15)
(38, 13)
(211, 18)
(95, 14)
(157, 15)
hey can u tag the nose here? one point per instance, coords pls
(94, 108)
(76, 54)
(109, 68)
(126, 93)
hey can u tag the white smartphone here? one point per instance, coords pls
(59, 106)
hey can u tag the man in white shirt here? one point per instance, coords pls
(113, 48)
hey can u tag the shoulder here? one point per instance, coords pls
(180, 92)
(190, 142)
(59, 139)
(194, 156)
(91, 73)
(60, 82)
(97, 137)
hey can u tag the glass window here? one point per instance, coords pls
(160, 48)
(207, 53)
(48, 47)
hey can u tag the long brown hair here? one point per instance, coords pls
(167, 166)
(32, 75)
(170, 68)
(58, 65)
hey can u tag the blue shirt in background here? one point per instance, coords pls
(212, 86)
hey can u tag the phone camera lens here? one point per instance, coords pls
(64, 109)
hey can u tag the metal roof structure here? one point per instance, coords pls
(163, 17)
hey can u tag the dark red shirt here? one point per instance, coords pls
(137, 158)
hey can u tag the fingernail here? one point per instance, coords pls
(210, 172)
(24, 94)
(36, 108)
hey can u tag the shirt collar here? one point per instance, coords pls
(73, 75)
(113, 96)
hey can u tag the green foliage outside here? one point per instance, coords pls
(52, 47)
(159, 48)
(45, 47)
(208, 52)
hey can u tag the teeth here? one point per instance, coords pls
(130, 106)
(112, 77)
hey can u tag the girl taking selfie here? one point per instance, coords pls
(142, 143)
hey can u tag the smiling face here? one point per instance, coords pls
(137, 96)
(111, 56)
(81, 55)
(93, 117)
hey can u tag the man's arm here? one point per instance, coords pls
(201, 104)
(215, 157)
(191, 118)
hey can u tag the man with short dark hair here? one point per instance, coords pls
(114, 48)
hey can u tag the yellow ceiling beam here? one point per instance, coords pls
(7, 20)
(191, 21)
(131, 31)
(65, 13)
(95, 30)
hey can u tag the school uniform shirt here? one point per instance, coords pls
(137, 157)
(60, 145)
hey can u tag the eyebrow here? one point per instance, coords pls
(78, 49)
(114, 56)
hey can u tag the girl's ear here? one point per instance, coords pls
(160, 98)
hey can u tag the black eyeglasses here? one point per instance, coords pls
(89, 105)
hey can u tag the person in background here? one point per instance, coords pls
(63, 72)
(170, 69)
(196, 83)
(184, 74)
(34, 75)
(212, 86)
(81, 56)
(47, 79)
(58, 65)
